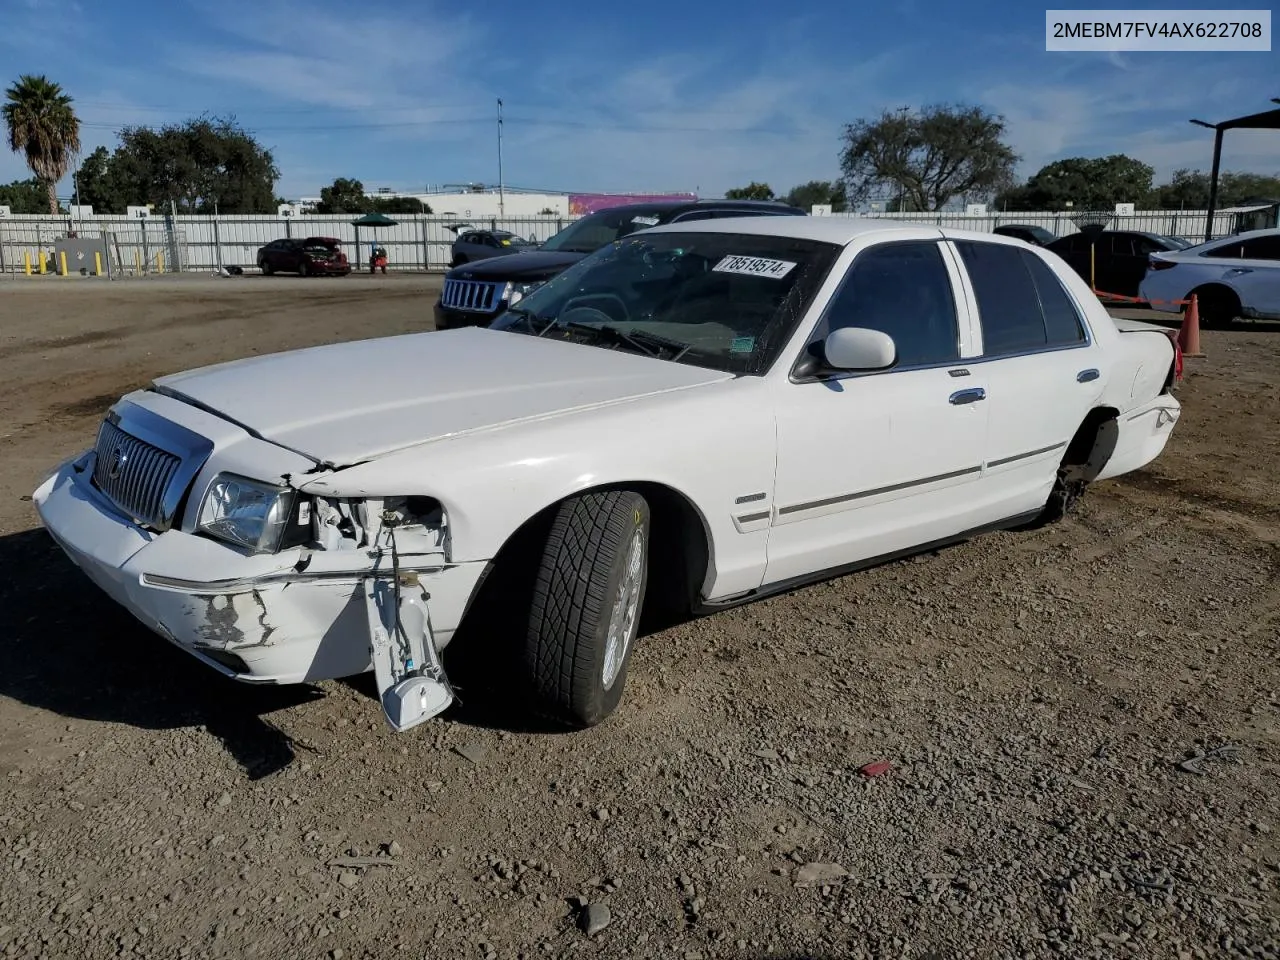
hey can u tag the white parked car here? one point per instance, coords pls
(688, 419)
(1237, 276)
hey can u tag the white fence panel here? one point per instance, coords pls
(1188, 224)
(417, 242)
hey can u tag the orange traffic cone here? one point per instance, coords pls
(1189, 333)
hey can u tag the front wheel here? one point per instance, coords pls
(266, 268)
(304, 268)
(587, 599)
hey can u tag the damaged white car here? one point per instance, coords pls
(693, 417)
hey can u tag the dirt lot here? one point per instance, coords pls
(1034, 693)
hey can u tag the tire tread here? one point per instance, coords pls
(570, 596)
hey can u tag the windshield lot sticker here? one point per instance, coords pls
(646, 221)
(742, 345)
(754, 267)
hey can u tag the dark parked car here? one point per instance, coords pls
(474, 244)
(320, 256)
(476, 293)
(1120, 256)
(1028, 232)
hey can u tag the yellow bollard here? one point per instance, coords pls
(97, 264)
(43, 265)
(26, 261)
(137, 263)
(159, 262)
(63, 258)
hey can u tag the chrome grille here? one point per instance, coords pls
(472, 296)
(134, 474)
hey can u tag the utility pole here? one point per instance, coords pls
(502, 197)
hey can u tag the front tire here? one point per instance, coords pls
(304, 268)
(587, 599)
(266, 268)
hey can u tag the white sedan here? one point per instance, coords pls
(694, 417)
(1237, 276)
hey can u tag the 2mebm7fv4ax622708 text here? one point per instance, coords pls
(689, 418)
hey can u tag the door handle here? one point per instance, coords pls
(972, 395)
(1084, 376)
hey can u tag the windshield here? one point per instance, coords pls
(602, 227)
(719, 300)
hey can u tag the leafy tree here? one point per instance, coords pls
(200, 166)
(98, 185)
(807, 195)
(752, 191)
(1189, 189)
(929, 157)
(42, 124)
(347, 196)
(24, 196)
(1087, 183)
(400, 205)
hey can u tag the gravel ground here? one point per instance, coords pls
(1081, 725)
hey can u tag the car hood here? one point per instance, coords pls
(530, 265)
(345, 403)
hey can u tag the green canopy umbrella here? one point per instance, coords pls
(371, 220)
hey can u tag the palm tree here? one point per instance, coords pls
(43, 125)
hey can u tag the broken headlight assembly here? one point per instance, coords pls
(247, 513)
(518, 291)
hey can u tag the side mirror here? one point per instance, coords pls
(859, 348)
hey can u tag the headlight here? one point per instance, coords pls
(517, 291)
(246, 512)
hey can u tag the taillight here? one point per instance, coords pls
(1157, 264)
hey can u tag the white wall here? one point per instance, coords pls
(474, 205)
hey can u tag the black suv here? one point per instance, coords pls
(475, 293)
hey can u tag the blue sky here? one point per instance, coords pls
(658, 95)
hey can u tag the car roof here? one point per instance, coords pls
(838, 230)
(680, 206)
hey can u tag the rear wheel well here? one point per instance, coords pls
(1093, 444)
(1218, 304)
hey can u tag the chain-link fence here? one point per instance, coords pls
(129, 247)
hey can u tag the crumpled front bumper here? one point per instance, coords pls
(252, 617)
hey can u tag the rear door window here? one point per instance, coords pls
(1022, 305)
(1254, 248)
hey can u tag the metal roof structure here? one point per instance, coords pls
(1266, 120)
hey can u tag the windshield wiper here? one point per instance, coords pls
(530, 320)
(636, 339)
